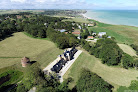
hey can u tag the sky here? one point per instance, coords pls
(69, 4)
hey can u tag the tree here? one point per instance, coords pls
(62, 42)
(32, 77)
(133, 87)
(72, 41)
(127, 61)
(108, 51)
(63, 87)
(87, 46)
(91, 82)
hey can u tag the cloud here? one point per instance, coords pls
(67, 4)
(20, 1)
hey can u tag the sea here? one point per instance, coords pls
(116, 17)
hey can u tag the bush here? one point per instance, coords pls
(10, 77)
(133, 87)
(108, 51)
(91, 82)
(127, 61)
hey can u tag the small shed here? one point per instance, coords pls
(25, 61)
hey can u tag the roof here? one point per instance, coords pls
(76, 32)
(25, 60)
(90, 37)
(102, 32)
(62, 30)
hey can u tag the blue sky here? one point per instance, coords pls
(69, 4)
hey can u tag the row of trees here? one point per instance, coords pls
(110, 53)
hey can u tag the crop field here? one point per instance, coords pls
(116, 76)
(12, 49)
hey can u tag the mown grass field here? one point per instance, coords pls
(127, 49)
(81, 20)
(116, 76)
(12, 49)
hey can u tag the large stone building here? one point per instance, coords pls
(63, 59)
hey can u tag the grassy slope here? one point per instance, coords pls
(127, 49)
(123, 34)
(19, 45)
(114, 75)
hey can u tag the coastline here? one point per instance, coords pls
(105, 21)
(86, 17)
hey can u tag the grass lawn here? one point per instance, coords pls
(81, 20)
(127, 49)
(20, 45)
(114, 75)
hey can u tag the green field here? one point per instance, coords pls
(122, 34)
(81, 20)
(12, 49)
(116, 76)
(127, 49)
(17, 11)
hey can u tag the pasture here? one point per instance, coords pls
(12, 49)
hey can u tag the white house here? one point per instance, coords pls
(109, 37)
(101, 34)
